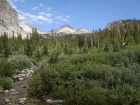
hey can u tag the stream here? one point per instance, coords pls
(18, 94)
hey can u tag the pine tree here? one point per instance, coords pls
(66, 50)
(38, 54)
(136, 31)
(94, 38)
(45, 52)
(19, 37)
(99, 36)
(91, 41)
(28, 47)
(5, 45)
(106, 48)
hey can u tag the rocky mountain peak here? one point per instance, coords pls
(67, 29)
(9, 20)
(8, 14)
(68, 26)
(81, 31)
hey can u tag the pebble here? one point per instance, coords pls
(6, 91)
(23, 86)
(21, 79)
(7, 100)
(14, 93)
(1, 91)
(12, 90)
(23, 75)
(50, 101)
(22, 101)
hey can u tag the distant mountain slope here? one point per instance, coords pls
(25, 26)
(119, 22)
(81, 31)
(28, 28)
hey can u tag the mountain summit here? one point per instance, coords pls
(67, 29)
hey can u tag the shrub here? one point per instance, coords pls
(20, 61)
(6, 69)
(5, 82)
(44, 82)
(54, 56)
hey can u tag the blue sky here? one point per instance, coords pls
(90, 14)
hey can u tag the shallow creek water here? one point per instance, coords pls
(19, 91)
(22, 93)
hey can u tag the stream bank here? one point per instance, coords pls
(18, 94)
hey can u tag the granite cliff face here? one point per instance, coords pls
(9, 20)
(8, 14)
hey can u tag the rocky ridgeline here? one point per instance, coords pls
(18, 94)
(8, 14)
(9, 20)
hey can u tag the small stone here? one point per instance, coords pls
(7, 100)
(30, 71)
(23, 72)
(12, 90)
(20, 75)
(49, 101)
(57, 101)
(6, 91)
(23, 75)
(54, 102)
(15, 78)
(1, 91)
(23, 86)
(14, 93)
(21, 79)
(22, 99)
(22, 102)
